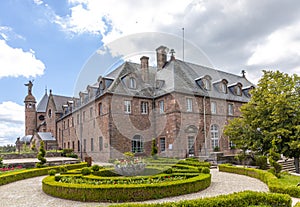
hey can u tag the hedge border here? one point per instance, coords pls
(30, 173)
(240, 199)
(264, 176)
(124, 193)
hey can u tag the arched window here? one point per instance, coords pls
(223, 87)
(132, 83)
(238, 91)
(137, 144)
(207, 84)
(49, 113)
(214, 133)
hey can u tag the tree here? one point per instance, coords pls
(154, 149)
(41, 155)
(271, 119)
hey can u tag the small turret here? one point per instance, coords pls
(30, 111)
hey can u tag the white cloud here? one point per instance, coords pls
(11, 122)
(281, 45)
(114, 19)
(15, 62)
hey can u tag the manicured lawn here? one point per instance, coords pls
(289, 180)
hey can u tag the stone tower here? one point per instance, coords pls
(30, 111)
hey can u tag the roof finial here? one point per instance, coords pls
(50, 91)
(243, 73)
(46, 89)
(172, 54)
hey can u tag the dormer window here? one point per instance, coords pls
(223, 87)
(207, 84)
(238, 90)
(132, 83)
(204, 82)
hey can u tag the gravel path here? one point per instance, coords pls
(29, 192)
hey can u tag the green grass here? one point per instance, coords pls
(289, 180)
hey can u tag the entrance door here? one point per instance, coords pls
(191, 146)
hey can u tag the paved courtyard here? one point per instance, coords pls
(28, 193)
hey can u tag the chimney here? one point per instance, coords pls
(161, 56)
(145, 68)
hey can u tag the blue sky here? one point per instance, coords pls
(52, 42)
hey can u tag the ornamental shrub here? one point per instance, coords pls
(52, 172)
(261, 162)
(63, 169)
(96, 168)
(41, 156)
(86, 171)
(1, 162)
(205, 170)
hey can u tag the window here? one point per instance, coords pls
(73, 145)
(189, 104)
(91, 112)
(238, 91)
(137, 144)
(68, 123)
(127, 106)
(83, 114)
(64, 125)
(207, 84)
(132, 83)
(230, 109)
(144, 107)
(78, 143)
(214, 133)
(92, 144)
(223, 87)
(49, 113)
(84, 145)
(78, 119)
(191, 146)
(161, 107)
(213, 106)
(162, 144)
(100, 143)
(100, 109)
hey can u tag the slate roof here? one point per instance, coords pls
(42, 105)
(26, 139)
(46, 136)
(176, 76)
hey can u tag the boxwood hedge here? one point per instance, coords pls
(265, 176)
(30, 173)
(241, 199)
(124, 192)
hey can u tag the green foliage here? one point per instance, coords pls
(52, 172)
(86, 171)
(96, 168)
(261, 162)
(30, 173)
(275, 185)
(276, 167)
(297, 204)
(242, 199)
(205, 170)
(154, 149)
(7, 148)
(271, 118)
(33, 146)
(1, 162)
(63, 169)
(41, 156)
(115, 192)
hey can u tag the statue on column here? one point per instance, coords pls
(29, 85)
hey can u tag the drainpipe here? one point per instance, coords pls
(204, 127)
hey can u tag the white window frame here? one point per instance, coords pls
(230, 109)
(161, 107)
(214, 134)
(189, 104)
(213, 107)
(127, 106)
(132, 83)
(137, 144)
(144, 107)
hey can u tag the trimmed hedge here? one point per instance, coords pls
(124, 192)
(265, 176)
(30, 173)
(241, 199)
(297, 204)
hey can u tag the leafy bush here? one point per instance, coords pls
(205, 170)
(297, 204)
(121, 193)
(1, 162)
(41, 156)
(86, 171)
(96, 168)
(52, 172)
(242, 199)
(271, 180)
(63, 169)
(261, 162)
(30, 173)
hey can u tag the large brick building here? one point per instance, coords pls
(183, 106)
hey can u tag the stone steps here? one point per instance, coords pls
(288, 165)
